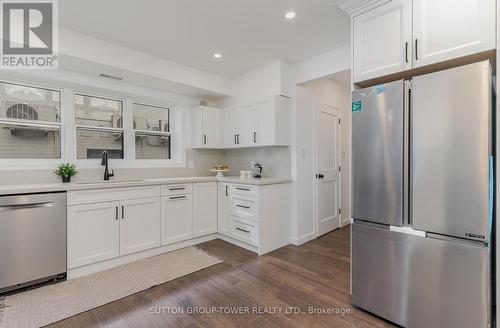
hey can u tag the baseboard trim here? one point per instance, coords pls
(304, 239)
(238, 243)
(345, 222)
(95, 267)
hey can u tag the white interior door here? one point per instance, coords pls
(328, 169)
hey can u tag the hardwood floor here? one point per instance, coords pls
(315, 275)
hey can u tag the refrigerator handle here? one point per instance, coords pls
(407, 158)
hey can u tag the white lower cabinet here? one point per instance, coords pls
(108, 227)
(204, 208)
(223, 204)
(93, 233)
(139, 225)
(244, 230)
(258, 217)
(176, 218)
(102, 231)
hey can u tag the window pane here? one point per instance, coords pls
(151, 118)
(27, 103)
(152, 146)
(95, 111)
(91, 143)
(22, 141)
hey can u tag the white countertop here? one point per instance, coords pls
(117, 183)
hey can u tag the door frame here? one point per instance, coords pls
(315, 162)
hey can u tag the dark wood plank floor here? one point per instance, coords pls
(315, 274)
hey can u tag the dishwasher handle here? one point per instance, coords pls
(5, 208)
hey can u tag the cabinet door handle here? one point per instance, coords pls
(243, 206)
(204, 139)
(238, 139)
(416, 49)
(242, 189)
(226, 191)
(123, 212)
(178, 197)
(406, 52)
(235, 142)
(255, 137)
(174, 189)
(246, 231)
(116, 212)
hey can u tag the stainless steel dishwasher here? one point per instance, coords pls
(32, 239)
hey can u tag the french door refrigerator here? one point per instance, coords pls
(423, 198)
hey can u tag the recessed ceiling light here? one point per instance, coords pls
(217, 55)
(290, 15)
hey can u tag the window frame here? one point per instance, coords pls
(14, 163)
(96, 128)
(153, 133)
(67, 91)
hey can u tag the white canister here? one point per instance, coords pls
(249, 174)
(243, 174)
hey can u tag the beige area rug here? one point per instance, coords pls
(52, 303)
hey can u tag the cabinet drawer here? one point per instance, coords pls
(244, 208)
(244, 190)
(176, 189)
(244, 230)
(111, 194)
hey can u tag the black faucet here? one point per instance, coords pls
(104, 162)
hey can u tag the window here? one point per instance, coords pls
(152, 132)
(99, 127)
(30, 122)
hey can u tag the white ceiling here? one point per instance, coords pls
(249, 33)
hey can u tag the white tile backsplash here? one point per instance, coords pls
(275, 162)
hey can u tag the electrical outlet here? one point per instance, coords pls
(191, 164)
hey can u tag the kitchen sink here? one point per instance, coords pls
(109, 181)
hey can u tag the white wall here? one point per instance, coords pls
(338, 95)
(324, 65)
(316, 68)
(331, 93)
(272, 79)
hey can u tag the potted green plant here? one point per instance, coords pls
(66, 171)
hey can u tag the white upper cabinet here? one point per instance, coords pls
(382, 40)
(450, 29)
(272, 122)
(404, 34)
(207, 127)
(239, 126)
(263, 123)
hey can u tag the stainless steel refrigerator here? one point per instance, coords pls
(422, 172)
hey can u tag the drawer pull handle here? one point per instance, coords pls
(243, 206)
(4, 208)
(178, 197)
(247, 231)
(243, 189)
(174, 189)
